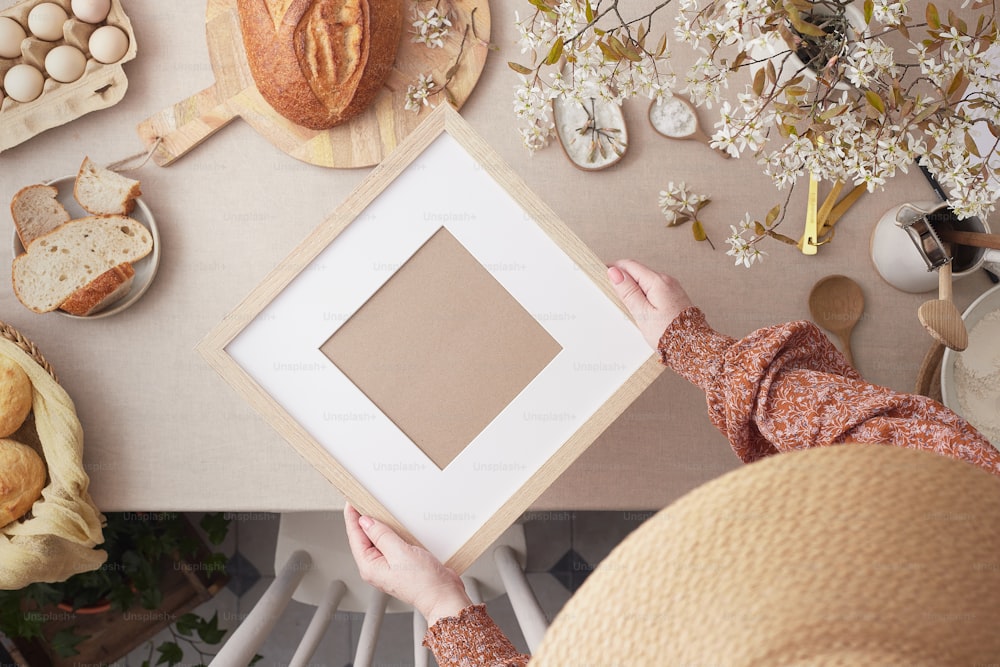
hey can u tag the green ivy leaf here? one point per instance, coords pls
(216, 526)
(170, 653)
(209, 631)
(64, 643)
(187, 624)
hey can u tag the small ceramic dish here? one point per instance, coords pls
(592, 134)
(957, 390)
(145, 268)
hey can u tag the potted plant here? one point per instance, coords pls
(148, 554)
(796, 84)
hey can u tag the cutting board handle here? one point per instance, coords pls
(185, 125)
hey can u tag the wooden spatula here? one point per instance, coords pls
(940, 316)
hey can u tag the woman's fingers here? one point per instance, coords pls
(631, 294)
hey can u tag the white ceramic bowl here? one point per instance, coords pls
(145, 268)
(987, 303)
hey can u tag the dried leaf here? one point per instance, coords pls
(589, 12)
(698, 231)
(739, 60)
(956, 84)
(554, 52)
(927, 113)
(781, 237)
(833, 112)
(933, 20)
(759, 229)
(970, 145)
(616, 45)
(772, 75)
(875, 101)
(758, 82)
(520, 69)
(609, 54)
(994, 128)
(661, 46)
(772, 215)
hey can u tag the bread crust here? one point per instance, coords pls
(16, 395)
(100, 292)
(319, 63)
(59, 212)
(22, 478)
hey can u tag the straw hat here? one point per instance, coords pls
(847, 555)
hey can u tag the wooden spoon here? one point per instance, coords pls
(836, 304)
(676, 118)
(940, 316)
(976, 239)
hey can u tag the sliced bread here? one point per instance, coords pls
(101, 191)
(36, 211)
(65, 260)
(100, 292)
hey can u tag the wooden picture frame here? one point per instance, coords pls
(268, 348)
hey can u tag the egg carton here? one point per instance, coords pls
(101, 86)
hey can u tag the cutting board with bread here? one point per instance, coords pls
(325, 80)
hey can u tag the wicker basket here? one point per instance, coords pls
(14, 336)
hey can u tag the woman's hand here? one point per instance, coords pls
(653, 298)
(406, 572)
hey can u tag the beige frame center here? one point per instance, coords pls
(441, 348)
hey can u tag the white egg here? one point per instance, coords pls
(91, 11)
(45, 21)
(65, 63)
(23, 83)
(11, 36)
(108, 44)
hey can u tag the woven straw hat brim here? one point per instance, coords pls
(846, 555)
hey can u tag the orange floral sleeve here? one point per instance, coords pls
(787, 387)
(472, 639)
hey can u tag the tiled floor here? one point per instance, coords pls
(562, 549)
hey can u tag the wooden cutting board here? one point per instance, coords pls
(361, 142)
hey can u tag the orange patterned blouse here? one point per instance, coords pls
(779, 389)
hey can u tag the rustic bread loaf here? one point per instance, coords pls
(65, 260)
(101, 191)
(320, 62)
(100, 292)
(15, 396)
(36, 211)
(22, 478)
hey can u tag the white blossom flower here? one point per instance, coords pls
(416, 93)
(430, 27)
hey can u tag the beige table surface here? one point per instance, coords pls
(165, 432)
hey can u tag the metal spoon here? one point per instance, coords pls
(836, 304)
